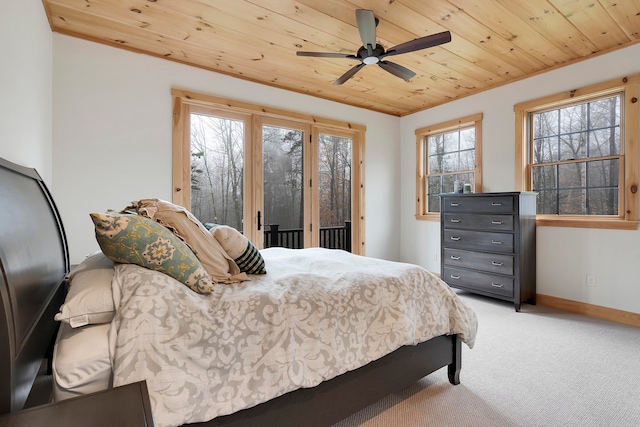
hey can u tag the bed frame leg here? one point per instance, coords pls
(455, 367)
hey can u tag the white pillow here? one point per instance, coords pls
(81, 363)
(89, 300)
(238, 247)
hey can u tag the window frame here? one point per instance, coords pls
(472, 121)
(185, 102)
(627, 87)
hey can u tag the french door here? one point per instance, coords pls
(284, 203)
(281, 182)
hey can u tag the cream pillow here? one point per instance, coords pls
(89, 300)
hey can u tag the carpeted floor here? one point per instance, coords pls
(539, 367)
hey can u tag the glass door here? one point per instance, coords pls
(334, 190)
(279, 182)
(217, 150)
(283, 216)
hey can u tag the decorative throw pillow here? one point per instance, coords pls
(220, 266)
(134, 239)
(243, 252)
(89, 300)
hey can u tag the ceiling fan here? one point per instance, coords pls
(373, 53)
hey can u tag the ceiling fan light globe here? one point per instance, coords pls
(370, 60)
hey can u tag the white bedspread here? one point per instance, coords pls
(316, 314)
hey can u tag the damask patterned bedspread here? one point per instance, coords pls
(316, 314)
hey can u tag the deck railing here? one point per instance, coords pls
(330, 237)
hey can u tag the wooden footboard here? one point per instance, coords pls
(336, 399)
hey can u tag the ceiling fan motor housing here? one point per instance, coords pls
(370, 56)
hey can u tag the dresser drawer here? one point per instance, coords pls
(478, 240)
(479, 222)
(494, 284)
(491, 263)
(467, 204)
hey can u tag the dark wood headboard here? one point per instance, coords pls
(34, 260)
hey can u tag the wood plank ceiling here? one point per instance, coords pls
(494, 42)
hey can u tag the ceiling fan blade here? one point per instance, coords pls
(327, 55)
(367, 27)
(346, 76)
(397, 70)
(421, 43)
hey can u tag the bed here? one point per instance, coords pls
(36, 258)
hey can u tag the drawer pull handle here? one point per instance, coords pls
(496, 204)
(455, 258)
(455, 238)
(455, 204)
(496, 285)
(457, 277)
(496, 242)
(455, 220)
(499, 264)
(497, 222)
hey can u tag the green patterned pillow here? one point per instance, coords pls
(134, 239)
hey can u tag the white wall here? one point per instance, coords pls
(112, 136)
(564, 255)
(25, 85)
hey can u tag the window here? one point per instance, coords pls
(574, 150)
(445, 153)
(282, 178)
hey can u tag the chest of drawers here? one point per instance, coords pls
(489, 244)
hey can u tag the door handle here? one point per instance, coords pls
(259, 220)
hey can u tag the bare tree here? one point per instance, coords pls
(217, 155)
(571, 171)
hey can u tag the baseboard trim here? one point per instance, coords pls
(599, 312)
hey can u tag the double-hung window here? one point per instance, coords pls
(446, 152)
(576, 151)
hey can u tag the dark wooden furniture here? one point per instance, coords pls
(125, 406)
(34, 260)
(489, 244)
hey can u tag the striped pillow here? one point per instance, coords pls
(238, 247)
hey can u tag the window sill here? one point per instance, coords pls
(429, 217)
(614, 224)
